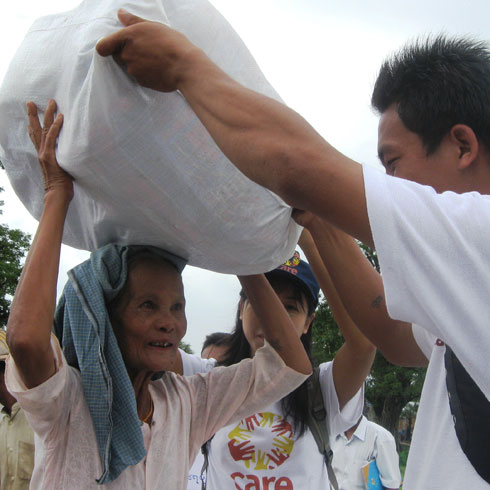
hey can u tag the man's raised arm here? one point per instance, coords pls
(270, 143)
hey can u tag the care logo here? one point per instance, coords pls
(294, 260)
(263, 441)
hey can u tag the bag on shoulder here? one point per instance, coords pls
(471, 413)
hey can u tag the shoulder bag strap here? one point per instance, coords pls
(317, 422)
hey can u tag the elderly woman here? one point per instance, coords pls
(105, 409)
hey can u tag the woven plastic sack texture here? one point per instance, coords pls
(145, 169)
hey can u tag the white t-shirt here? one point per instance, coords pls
(187, 411)
(263, 452)
(369, 442)
(434, 255)
(193, 364)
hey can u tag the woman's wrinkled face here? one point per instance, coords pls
(297, 309)
(151, 318)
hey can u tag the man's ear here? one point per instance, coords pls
(467, 142)
(308, 323)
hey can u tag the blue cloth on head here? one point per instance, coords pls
(84, 330)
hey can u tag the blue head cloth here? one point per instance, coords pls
(84, 330)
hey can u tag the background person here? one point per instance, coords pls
(362, 443)
(276, 446)
(215, 345)
(120, 319)
(16, 435)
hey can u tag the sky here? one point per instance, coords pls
(322, 56)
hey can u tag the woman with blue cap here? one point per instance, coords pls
(276, 448)
(103, 405)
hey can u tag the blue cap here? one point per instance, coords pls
(301, 272)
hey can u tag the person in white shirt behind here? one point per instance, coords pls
(362, 443)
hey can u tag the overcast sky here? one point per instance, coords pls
(321, 56)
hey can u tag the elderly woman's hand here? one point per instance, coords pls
(44, 140)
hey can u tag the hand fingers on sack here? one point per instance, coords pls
(112, 44)
(128, 19)
(34, 127)
(299, 216)
(52, 135)
(48, 119)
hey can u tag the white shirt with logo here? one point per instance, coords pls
(263, 451)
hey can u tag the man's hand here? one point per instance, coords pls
(151, 52)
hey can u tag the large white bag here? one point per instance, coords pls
(145, 169)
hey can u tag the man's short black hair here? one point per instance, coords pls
(435, 84)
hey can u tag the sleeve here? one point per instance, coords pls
(228, 394)
(193, 364)
(425, 340)
(387, 462)
(46, 406)
(433, 253)
(339, 421)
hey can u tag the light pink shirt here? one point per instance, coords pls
(188, 411)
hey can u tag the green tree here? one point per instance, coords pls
(186, 347)
(388, 388)
(14, 245)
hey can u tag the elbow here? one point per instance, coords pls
(22, 344)
(362, 352)
(304, 367)
(308, 369)
(369, 350)
(398, 359)
(19, 345)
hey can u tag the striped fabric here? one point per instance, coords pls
(4, 349)
(84, 330)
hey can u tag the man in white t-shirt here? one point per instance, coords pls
(431, 231)
(361, 444)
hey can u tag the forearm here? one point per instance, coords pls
(354, 359)
(32, 311)
(276, 324)
(267, 141)
(272, 144)
(352, 335)
(361, 290)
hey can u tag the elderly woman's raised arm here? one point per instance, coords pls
(32, 311)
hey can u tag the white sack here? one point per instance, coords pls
(145, 169)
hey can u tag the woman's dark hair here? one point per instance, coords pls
(294, 405)
(435, 84)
